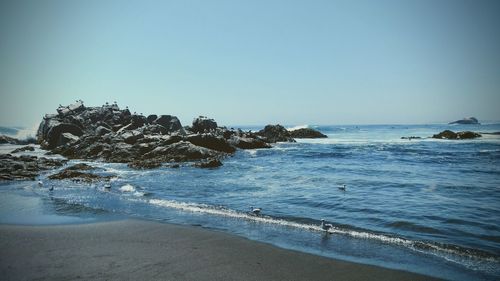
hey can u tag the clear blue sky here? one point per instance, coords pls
(254, 62)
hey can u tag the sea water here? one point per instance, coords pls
(423, 205)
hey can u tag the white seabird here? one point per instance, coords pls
(40, 183)
(256, 211)
(325, 226)
(342, 187)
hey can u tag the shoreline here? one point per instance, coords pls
(139, 249)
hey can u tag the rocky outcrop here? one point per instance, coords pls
(447, 134)
(25, 167)
(411, 138)
(275, 133)
(24, 148)
(203, 124)
(211, 141)
(306, 133)
(247, 143)
(115, 135)
(210, 163)
(74, 174)
(466, 121)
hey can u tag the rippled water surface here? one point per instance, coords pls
(425, 205)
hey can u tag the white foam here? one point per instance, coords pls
(297, 127)
(220, 211)
(127, 188)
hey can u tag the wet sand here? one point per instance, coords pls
(143, 250)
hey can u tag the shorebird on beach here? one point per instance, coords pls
(255, 211)
(325, 226)
(342, 187)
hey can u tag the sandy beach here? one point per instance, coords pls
(143, 250)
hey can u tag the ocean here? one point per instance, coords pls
(422, 205)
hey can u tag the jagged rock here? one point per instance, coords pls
(101, 131)
(306, 133)
(210, 163)
(25, 167)
(447, 134)
(131, 137)
(151, 118)
(180, 151)
(169, 122)
(212, 142)
(67, 138)
(275, 133)
(155, 129)
(203, 124)
(247, 143)
(80, 167)
(467, 121)
(24, 148)
(75, 175)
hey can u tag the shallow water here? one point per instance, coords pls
(428, 206)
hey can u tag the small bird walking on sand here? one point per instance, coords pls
(255, 211)
(342, 187)
(325, 226)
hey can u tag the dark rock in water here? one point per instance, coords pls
(275, 133)
(447, 134)
(306, 133)
(25, 167)
(490, 133)
(467, 121)
(180, 151)
(468, 135)
(169, 122)
(411, 138)
(210, 163)
(247, 143)
(80, 167)
(24, 148)
(75, 175)
(212, 142)
(203, 124)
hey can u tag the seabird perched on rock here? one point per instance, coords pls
(325, 226)
(342, 187)
(256, 211)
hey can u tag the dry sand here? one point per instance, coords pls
(143, 250)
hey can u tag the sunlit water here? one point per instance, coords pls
(428, 206)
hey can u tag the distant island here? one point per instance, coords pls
(467, 121)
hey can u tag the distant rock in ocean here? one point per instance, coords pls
(306, 133)
(275, 133)
(467, 121)
(447, 134)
